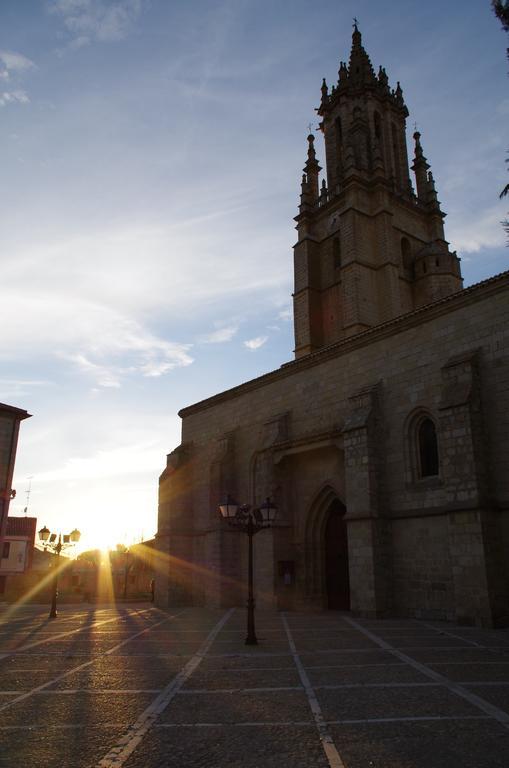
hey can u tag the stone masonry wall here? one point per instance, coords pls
(417, 566)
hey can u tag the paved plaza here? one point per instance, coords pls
(136, 687)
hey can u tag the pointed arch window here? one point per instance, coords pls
(423, 450)
(378, 125)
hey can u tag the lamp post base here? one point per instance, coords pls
(251, 641)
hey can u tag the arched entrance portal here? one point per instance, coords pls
(336, 558)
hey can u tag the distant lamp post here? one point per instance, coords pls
(249, 520)
(56, 545)
(123, 550)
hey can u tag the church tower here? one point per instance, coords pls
(369, 248)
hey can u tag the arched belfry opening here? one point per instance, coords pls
(337, 581)
(327, 571)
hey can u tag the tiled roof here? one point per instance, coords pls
(21, 526)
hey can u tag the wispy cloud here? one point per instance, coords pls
(256, 343)
(13, 62)
(96, 20)
(11, 65)
(15, 388)
(13, 97)
(97, 340)
(219, 336)
(472, 234)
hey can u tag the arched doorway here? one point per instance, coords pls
(337, 581)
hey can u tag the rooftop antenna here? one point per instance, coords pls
(29, 490)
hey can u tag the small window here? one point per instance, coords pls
(6, 548)
(428, 448)
(378, 125)
(336, 252)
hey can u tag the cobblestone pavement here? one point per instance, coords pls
(106, 687)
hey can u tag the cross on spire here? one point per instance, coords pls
(355, 22)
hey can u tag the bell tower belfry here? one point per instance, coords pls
(369, 248)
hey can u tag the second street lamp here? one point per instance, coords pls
(50, 541)
(249, 520)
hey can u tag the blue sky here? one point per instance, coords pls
(151, 158)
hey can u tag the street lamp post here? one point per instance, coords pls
(249, 520)
(57, 544)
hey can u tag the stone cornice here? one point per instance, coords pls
(456, 301)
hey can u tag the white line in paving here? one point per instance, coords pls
(331, 752)
(80, 667)
(469, 663)
(216, 691)
(457, 637)
(481, 682)
(476, 701)
(370, 721)
(257, 724)
(93, 691)
(118, 755)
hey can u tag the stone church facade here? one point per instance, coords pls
(385, 442)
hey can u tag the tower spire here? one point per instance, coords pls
(360, 68)
(420, 168)
(312, 169)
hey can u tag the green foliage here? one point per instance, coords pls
(501, 11)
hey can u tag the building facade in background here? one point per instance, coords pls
(385, 442)
(18, 546)
(10, 419)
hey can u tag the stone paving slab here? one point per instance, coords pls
(24, 680)
(248, 661)
(252, 707)
(434, 655)
(231, 747)
(375, 656)
(326, 646)
(123, 672)
(446, 744)
(386, 673)
(243, 678)
(371, 703)
(56, 747)
(29, 661)
(497, 695)
(76, 708)
(86, 646)
(474, 672)
(425, 641)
